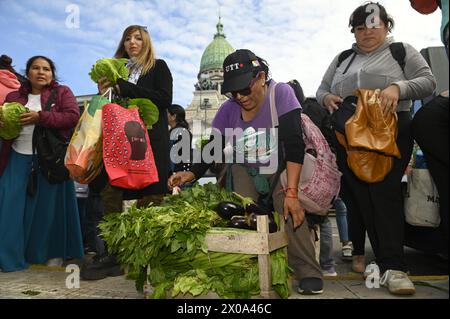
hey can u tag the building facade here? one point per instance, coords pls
(207, 98)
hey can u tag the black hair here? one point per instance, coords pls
(180, 115)
(263, 66)
(50, 62)
(6, 63)
(298, 90)
(359, 16)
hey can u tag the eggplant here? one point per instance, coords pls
(251, 221)
(239, 222)
(226, 210)
(256, 209)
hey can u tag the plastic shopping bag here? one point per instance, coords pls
(84, 155)
(422, 200)
(127, 153)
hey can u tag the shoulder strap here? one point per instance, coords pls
(274, 114)
(51, 100)
(399, 54)
(273, 106)
(344, 55)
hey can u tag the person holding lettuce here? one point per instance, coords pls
(148, 78)
(45, 226)
(9, 81)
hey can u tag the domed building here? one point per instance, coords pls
(207, 98)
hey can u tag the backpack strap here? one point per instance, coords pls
(344, 55)
(399, 54)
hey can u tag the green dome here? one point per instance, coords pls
(216, 51)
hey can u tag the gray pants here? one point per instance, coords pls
(301, 249)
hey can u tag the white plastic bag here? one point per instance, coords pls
(422, 200)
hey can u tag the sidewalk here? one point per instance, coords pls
(429, 273)
(40, 282)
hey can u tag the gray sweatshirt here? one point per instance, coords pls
(378, 70)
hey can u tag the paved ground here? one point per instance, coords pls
(429, 273)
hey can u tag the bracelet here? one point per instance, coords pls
(286, 190)
(291, 197)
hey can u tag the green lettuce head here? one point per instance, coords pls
(112, 69)
(10, 116)
(148, 111)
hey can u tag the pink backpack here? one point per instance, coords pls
(320, 179)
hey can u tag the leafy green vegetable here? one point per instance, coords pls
(10, 117)
(166, 246)
(111, 68)
(148, 111)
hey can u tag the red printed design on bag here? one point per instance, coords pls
(127, 153)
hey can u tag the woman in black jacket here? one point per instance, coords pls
(149, 78)
(180, 138)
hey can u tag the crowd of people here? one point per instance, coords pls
(44, 227)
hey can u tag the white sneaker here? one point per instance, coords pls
(397, 282)
(329, 273)
(55, 262)
(347, 252)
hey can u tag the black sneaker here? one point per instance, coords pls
(100, 267)
(310, 286)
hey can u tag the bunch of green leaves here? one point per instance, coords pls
(10, 117)
(141, 235)
(111, 68)
(227, 274)
(202, 142)
(148, 111)
(207, 196)
(166, 246)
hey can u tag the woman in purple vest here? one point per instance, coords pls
(242, 127)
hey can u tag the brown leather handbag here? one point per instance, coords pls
(370, 138)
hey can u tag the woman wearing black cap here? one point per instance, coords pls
(244, 126)
(402, 75)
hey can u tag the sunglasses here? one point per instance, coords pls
(244, 92)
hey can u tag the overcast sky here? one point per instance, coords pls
(298, 38)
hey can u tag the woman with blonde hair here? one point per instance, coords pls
(149, 78)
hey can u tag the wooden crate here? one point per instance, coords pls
(261, 243)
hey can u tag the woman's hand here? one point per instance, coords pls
(103, 85)
(179, 179)
(292, 205)
(28, 118)
(332, 102)
(389, 99)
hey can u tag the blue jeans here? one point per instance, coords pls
(326, 246)
(341, 219)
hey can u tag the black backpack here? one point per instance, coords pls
(318, 114)
(51, 151)
(320, 117)
(397, 50)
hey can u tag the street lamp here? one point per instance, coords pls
(205, 106)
